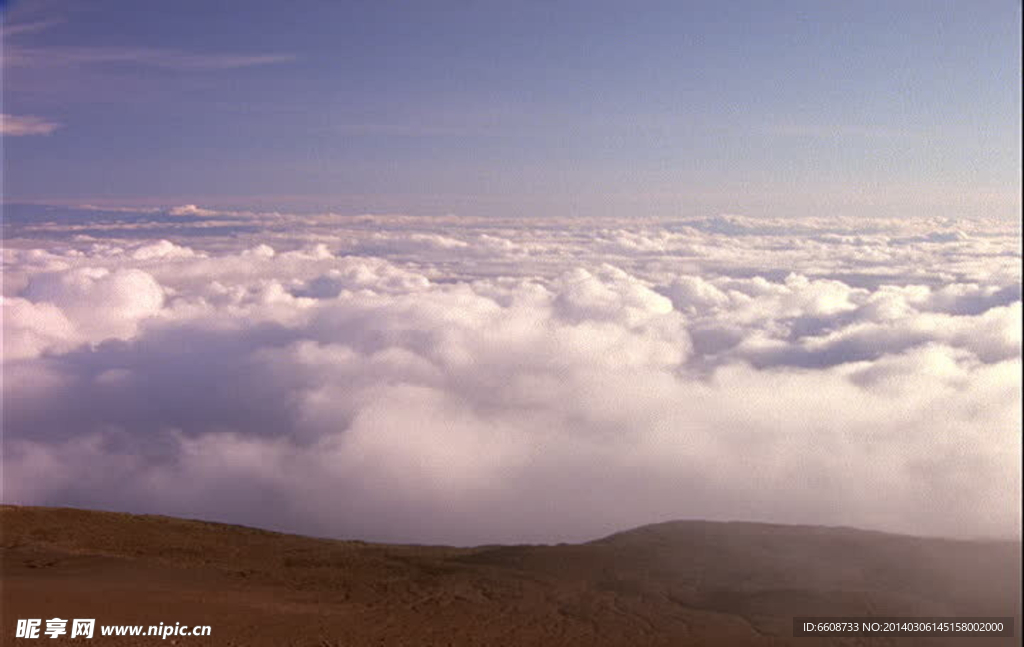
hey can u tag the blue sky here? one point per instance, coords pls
(518, 108)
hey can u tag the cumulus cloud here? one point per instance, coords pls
(20, 125)
(472, 380)
(100, 303)
(191, 210)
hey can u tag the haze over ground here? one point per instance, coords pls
(473, 272)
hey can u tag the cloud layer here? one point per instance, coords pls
(473, 380)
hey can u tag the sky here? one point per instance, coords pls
(481, 272)
(486, 108)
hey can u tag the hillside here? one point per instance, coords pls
(676, 583)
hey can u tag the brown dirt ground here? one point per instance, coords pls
(678, 583)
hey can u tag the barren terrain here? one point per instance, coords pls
(676, 583)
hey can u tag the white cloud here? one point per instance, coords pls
(99, 303)
(30, 328)
(191, 210)
(163, 249)
(479, 380)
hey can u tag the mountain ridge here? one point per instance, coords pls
(684, 582)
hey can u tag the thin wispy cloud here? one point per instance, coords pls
(28, 27)
(19, 55)
(842, 131)
(416, 130)
(162, 58)
(20, 125)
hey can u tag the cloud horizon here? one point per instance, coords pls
(472, 380)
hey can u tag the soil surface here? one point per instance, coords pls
(677, 583)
